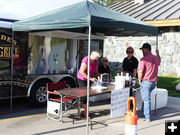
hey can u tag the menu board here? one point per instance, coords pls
(119, 99)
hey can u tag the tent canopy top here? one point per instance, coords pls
(78, 17)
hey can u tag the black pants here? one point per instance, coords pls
(82, 83)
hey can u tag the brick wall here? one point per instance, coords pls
(169, 47)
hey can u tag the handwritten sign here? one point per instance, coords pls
(119, 102)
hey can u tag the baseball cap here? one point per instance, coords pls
(146, 45)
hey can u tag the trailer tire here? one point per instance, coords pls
(38, 96)
(70, 83)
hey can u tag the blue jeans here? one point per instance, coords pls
(146, 88)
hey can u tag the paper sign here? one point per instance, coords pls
(119, 99)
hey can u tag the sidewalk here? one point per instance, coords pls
(102, 124)
(174, 103)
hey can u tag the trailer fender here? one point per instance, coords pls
(54, 78)
(36, 81)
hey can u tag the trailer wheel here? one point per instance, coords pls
(38, 95)
(69, 83)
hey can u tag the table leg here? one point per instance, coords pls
(79, 106)
(133, 92)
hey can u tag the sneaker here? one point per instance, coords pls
(143, 119)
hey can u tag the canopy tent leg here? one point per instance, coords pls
(88, 82)
(156, 82)
(11, 93)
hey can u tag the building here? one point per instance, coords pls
(165, 14)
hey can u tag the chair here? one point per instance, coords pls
(56, 102)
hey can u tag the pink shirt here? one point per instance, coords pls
(149, 66)
(93, 68)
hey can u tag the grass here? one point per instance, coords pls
(113, 74)
(169, 83)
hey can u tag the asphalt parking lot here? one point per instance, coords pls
(19, 105)
(32, 121)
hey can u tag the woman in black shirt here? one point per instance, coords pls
(104, 68)
(130, 63)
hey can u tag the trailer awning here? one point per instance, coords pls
(78, 17)
(66, 34)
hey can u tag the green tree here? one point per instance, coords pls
(107, 2)
(100, 2)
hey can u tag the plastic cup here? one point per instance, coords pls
(98, 83)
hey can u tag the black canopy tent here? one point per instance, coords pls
(85, 17)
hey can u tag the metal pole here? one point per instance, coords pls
(88, 81)
(11, 96)
(77, 57)
(156, 82)
(156, 42)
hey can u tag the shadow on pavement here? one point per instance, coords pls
(165, 113)
(59, 130)
(20, 107)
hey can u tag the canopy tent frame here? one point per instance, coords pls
(12, 68)
(156, 82)
(108, 26)
(88, 84)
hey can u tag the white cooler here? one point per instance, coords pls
(162, 98)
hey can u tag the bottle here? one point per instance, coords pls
(54, 71)
(127, 80)
(126, 83)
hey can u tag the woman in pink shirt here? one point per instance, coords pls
(82, 73)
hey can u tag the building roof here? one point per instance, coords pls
(6, 22)
(152, 10)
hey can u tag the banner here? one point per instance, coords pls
(5, 47)
(119, 102)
